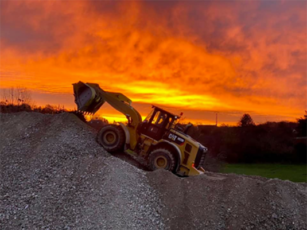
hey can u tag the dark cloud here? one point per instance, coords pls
(17, 28)
(161, 7)
(103, 7)
(216, 48)
(27, 40)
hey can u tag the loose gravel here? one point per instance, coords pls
(55, 176)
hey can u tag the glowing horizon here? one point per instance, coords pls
(198, 58)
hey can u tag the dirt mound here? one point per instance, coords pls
(54, 175)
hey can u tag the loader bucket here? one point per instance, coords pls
(87, 97)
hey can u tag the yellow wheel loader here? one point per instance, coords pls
(156, 139)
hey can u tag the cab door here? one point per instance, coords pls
(155, 127)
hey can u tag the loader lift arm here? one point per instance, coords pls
(89, 97)
(155, 140)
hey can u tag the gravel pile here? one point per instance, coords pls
(55, 176)
(229, 201)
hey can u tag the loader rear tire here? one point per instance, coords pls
(111, 138)
(161, 159)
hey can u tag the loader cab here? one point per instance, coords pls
(157, 123)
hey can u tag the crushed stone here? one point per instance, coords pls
(55, 176)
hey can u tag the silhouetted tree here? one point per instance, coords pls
(246, 120)
(16, 95)
(302, 126)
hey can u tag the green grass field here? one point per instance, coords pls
(295, 173)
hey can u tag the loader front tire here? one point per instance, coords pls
(111, 138)
(161, 159)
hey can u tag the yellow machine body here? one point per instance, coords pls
(143, 137)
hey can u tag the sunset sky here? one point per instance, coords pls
(195, 57)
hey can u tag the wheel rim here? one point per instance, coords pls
(160, 162)
(109, 138)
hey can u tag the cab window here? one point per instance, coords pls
(155, 118)
(149, 116)
(161, 119)
(170, 123)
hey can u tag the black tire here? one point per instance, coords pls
(161, 159)
(202, 161)
(111, 138)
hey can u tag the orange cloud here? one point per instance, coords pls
(198, 57)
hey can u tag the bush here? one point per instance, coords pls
(272, 142)
(14, 108)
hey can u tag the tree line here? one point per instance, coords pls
(271, 142)
(17, 99)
